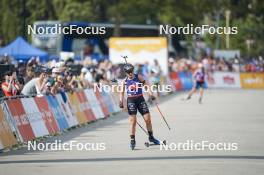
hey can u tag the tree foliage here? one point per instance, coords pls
(247, 15)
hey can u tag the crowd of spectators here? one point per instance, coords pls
(33, 78)
(212, 64)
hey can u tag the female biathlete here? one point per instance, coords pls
(199, 79)
(133, 84)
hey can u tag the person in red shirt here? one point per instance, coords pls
(9, 86)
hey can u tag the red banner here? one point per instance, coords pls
(18, 113)
(47, 114)
(176, 80)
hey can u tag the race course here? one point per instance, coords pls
(229, 116)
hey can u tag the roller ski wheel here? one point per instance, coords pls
(157, 142)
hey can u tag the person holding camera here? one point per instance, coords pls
(10, 86)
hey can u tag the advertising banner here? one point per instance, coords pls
(85, 106)
(67, 109)
(20, 119)
(75, 104)
(114, 102)
(6, 136)
(34, 117)
(175, 80)
(1, 145)
(252, 80)
(57, 112)
(186, 80)
(107, 101)
(224, 80)
(47, 114)
(95, 104)
(102, 102)
(140, 50)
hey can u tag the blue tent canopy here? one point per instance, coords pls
(22, 50)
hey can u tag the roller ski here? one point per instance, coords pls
(152, 141)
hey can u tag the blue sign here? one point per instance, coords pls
(57, 111)
(186, 80)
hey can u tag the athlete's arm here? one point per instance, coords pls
(146, 84)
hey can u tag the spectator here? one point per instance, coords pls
(154, 76)
(10, 85)
(70, 82)
(83, 82)
(30, 86)
(58, 85)
(42, 87)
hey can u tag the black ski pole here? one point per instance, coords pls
(164, 119)
(142, 128)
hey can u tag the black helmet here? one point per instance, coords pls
(128, 68)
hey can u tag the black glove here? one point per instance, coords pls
(121, 105)
(152, 97)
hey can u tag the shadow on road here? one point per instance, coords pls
(226, 157)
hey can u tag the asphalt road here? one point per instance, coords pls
(226, 116)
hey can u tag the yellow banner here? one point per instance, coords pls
(137, 44)
(6, 136)
(75, 104)
(252, 80)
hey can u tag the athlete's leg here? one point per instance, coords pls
(147, 119)
(191, 93)
(132, 111)
(201, 94)
(144, 111)
(133, 124)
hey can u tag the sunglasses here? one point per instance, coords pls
(129, 72)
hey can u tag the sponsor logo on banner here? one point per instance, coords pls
(223, 80)
(20, 119)
(47, 114)
(57, 112)
(229, 80)
(35, 117)
(252, 80)
(6, 136)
